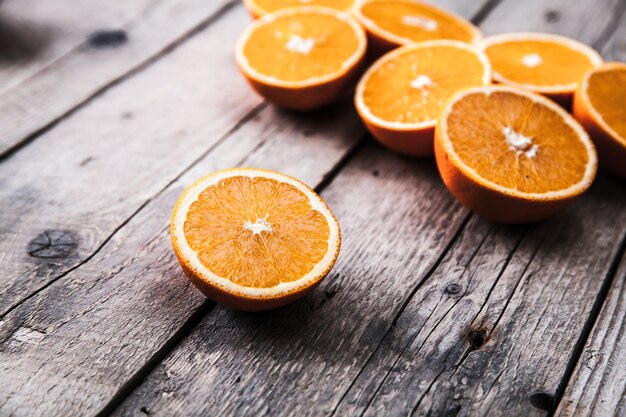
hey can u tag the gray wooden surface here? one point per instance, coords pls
(109, 111)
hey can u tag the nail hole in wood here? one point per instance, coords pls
(108, 38)
(476, 338)
(237, 380)
(542, 400)
(52, 243)
(552, 16)
(453, 288)
(375, 173)
(144, 410)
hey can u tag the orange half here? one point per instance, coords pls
(600, 106)
(543, 63)
(259, 8)
(512, 156)
(301, 58)
(401, 96)
(253, 239)
(393, 23)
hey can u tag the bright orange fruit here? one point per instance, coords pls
(512, 156)
(393, 23)
(546, 64)
(600, 106)
(253, 239)
(301, 58)
(401, 96)
(259, 8)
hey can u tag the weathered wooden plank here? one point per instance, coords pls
(70, 71)
(598, 383)
(35, 33)
(89, 174)
(586, 21)
(294, 361)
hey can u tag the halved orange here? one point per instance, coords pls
(512, 156)
(600, 106)
(253, 239)
(401, 96)
(301, 58)
(259, 8)
(543, 63)
(393, 23)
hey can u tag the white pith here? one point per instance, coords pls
(532, 60)
(300, 45)
(421, 82)
(347, 65)
(373, 27)
(365, 110)
(420, 22)
(260, 225)
(594, 57)
(191, 195)
(520, 143)
(590, 169)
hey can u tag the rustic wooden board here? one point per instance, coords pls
(141, 136)
(598, 383)
(462, 326)
(73, 70)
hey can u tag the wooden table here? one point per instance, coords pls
(109, 109)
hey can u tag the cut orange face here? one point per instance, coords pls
(301, 58)
(546, 64)
(401, 96)
(258, 8)
(253, 239)
(600, 106)
(512, 156)
(393, 23)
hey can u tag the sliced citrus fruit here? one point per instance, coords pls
(258, 8)
(600, 106)
(393, 23)
(301, 58)
(547, 64)
(511, 155)
(252, 239)
(401, 96)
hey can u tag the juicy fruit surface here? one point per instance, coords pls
(302, 46)
(415, 21)
(256, 232)
(538, 63)
(607, 93)
(413, 86)
(270, 6)
(517, 143)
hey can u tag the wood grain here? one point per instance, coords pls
(65, 72)
(598, 385)
(90, 173)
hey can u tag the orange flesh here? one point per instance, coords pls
(476, 127)
(271, 6)
(607, 93)
(389, 93)
(550, 63)
(216, 230)
(324, 43)
(415, 21)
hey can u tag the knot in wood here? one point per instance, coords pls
(52, 243)
(453, 288)
(108, 38)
